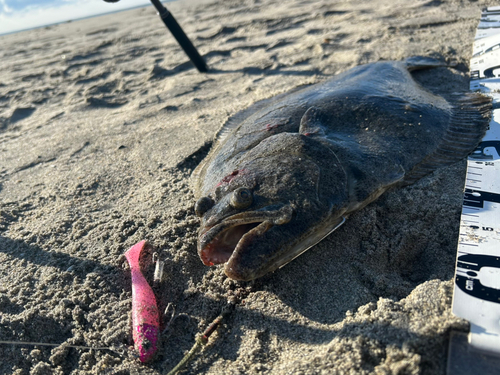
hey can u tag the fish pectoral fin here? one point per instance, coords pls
(364, 187)
(311, 122)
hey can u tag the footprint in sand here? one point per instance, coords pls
(106, 94)
(18, 114)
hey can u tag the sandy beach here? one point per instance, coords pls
(103, 120)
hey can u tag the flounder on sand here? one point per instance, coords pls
(286, 172)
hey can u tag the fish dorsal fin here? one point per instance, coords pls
(227, 129)
(235, 120)
(224, 132)
(311, 122)
(469, 120)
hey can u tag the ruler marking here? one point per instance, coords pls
(470, 263)
(475, 298)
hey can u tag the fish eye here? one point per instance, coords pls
(241, 198)
(203, 205)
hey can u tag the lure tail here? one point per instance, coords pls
(145, 317)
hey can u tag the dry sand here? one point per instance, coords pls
(102, 121)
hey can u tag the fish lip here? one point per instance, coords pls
(266, 219)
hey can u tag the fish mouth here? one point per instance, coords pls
(221, 242)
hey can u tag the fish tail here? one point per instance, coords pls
(470, 118)
(424, 62)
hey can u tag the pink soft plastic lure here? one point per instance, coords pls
(145, 318)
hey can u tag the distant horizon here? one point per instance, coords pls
(23, 15)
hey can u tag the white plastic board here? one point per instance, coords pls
(477, 279)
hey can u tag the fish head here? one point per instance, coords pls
(285, 195)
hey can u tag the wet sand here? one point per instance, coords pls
(101, 123)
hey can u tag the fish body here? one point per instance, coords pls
(145, 317)
(287, 171)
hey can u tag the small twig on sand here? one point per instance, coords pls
(202, 340)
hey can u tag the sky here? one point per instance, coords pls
(16, 15)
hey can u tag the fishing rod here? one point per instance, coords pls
(179, 34)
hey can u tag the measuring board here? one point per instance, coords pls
(476, 295)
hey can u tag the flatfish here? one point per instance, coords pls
(286, 172)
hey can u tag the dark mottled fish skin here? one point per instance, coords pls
(287, 171)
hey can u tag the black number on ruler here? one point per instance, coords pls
(488, 229)
(474, 198)
(471, 264)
